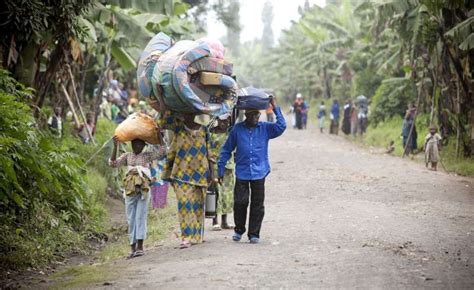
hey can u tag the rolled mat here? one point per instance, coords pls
(171, 74)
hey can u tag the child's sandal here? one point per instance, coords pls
(130, 255)
(139, 253)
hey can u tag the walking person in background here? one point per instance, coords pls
(137, 188)
(55, 122)
(298, 107)
(121, 111)
(354, 121)
(225, 189)
(409, 140)
(346, 121)
(321, 117)
(305, 114)
(270, 115)
(114, 91)
(250, 140)
(87, 131)
(334, 128)
(362, 113)
(432, 148)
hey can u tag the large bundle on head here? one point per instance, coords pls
(188, 76)
(138, 126)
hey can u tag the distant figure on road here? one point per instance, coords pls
(362, 114)
(270, 115)
(321, 117)
(298, 108)
(346, 121)
(432, 147)
(304, 117)
(409, 140)
(334, 128)
(250, 139)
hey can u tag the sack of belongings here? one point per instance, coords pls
(138, 126)
(170, 73)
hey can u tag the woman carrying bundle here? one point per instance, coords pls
(187, 169)
(225, 202)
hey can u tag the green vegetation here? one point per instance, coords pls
(53, 191)
(45, 205)
(81, 276)
(394, 52)
(390, 129)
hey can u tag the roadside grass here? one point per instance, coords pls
(161, 223)
(83, 275)
(390, 129)
(381, 135)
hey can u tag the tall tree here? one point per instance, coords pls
(228, 12)
(267, 19)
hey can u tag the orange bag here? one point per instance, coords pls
(138, 126)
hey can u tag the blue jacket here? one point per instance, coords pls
(251, 158)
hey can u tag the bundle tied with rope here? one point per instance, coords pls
(186, 76)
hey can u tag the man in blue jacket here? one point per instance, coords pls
(250, 137)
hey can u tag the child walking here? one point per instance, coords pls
(432, 148)
(137, 189)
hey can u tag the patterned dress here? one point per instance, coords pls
(225, 202)
(187, 168)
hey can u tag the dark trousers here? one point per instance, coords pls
(255, 189)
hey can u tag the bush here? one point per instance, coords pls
(391, 99)
(46, 207)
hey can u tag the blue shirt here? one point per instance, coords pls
(251, 157)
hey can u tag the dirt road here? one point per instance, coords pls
(337, 216)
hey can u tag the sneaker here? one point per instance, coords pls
(254, 240)
(236, 237)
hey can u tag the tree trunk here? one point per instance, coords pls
(82, 83)
(26, 67)
(327, 84)
(44, 82)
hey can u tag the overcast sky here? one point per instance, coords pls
(250, 18)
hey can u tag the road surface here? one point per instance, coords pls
(337, 216)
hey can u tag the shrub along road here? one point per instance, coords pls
(336, 216)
